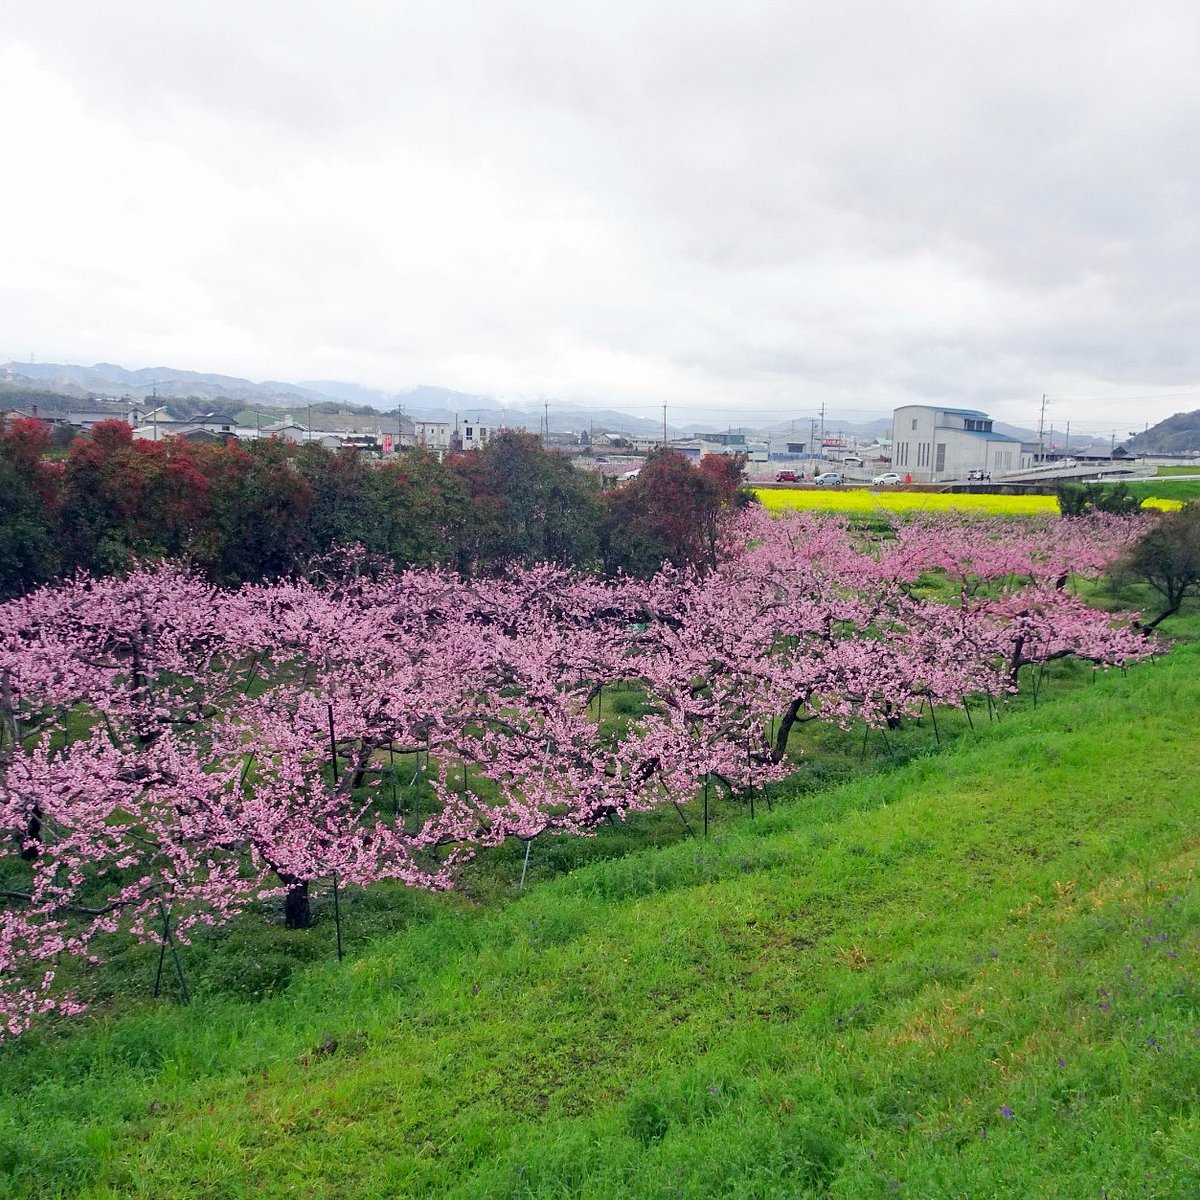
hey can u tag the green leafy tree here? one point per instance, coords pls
(28, 545)
(261, 506)
(527, 504)
(341, 510)
(418, 508)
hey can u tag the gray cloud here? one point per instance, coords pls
(768, 204)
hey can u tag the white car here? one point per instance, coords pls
(829, 479)
(888, 477)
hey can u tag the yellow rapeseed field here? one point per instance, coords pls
(863, 500)
(860, 500)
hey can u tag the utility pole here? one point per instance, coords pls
(546, 437)
(1067, 443)
(1041, 430)
(822, 426)
(664, 424)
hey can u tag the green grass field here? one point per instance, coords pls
(974, 973)
(1178, 490)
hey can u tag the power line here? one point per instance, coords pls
(789, 410)
(1122, 400)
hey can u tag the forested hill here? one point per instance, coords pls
(1176, 435)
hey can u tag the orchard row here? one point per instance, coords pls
(173, 748)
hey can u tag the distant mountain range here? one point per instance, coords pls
(108, 382)
(183, 392)
(187, 392)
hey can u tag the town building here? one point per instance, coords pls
(933, 444)
(443, 437)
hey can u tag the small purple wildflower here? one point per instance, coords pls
(1006, 1112)
(1062, 1062)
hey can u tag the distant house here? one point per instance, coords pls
(293, 431)
(445, 436)
(32, 415)
(85, 418)
(367, 442)
(157, 425)
(933, 444)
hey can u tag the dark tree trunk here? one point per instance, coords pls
(785, 729)
(33, 834)
(1174, 604)
(1016, 662)
(362, 764)
(296, 911)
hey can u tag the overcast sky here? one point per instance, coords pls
(736, 207)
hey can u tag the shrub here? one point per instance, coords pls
(1079, 499)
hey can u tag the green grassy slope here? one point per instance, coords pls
(976, 975)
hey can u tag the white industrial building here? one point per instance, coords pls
(934, 444)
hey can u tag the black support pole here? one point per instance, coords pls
(332, 743)
(337, 916)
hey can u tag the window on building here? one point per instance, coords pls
(940, 465)
(914, 424)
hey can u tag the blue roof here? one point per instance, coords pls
(987, 435)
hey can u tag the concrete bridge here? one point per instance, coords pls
(1051, 473)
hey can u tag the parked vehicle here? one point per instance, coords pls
(979, 476)
(788, 476)
(829, 479)
(886, 479)
(852, 460)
